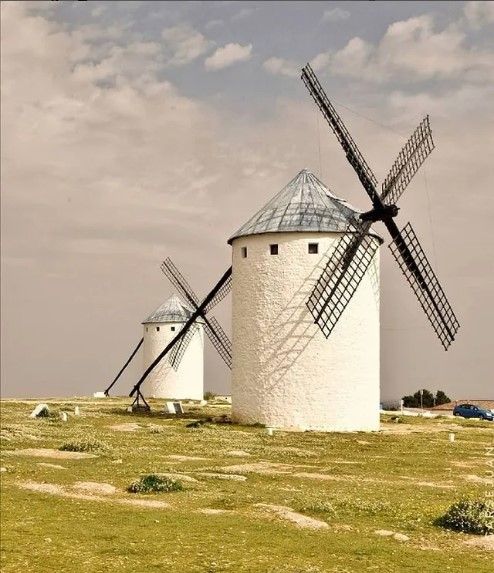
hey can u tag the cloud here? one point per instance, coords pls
(320, 61)
(281, 67)
(183, 44)
(335, 15)
(413, 50)
(227, 56)
(98, 10)
(479, 14)
(241, 14)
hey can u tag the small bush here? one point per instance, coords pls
(317, 505)
(153, 482)
(85, 445)
(209, 395)
(470, 516)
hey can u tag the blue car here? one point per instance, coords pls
(471, 411)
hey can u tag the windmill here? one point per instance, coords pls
(284, 372)
(305, 269)
(177, 347)
(352, 255)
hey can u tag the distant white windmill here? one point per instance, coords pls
(182, 376)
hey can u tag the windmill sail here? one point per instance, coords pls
(414, 264)
(342, 275)
(353, 254)
(350, 148)
(218, 337)
(410, 158)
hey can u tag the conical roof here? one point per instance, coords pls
(172, 310)
(305, 204)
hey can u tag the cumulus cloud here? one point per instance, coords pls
(336, 14)
(227, 56)
(320, 61)
(413, 50)
(183, 44)
(281, 67)
(479, 14)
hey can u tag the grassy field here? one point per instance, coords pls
(294, 502)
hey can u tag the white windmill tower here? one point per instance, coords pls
(182, 376)
(285, 373)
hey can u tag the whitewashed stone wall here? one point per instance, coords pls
(285, 373)
(164, 382)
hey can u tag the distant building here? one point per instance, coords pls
(160, 327)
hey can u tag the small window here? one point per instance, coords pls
(146, 328)
(157, 329)
(173, 329)
(244, 252)
(313, 248)
(273, 249)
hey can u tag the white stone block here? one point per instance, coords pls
(40, 411)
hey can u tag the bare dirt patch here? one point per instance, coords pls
(182, 477)
(129, 427)
(50, 488)
(211, 511)
(149, 503)
(88, 495)
(288, 514)
(479, 479)
(386, 533)
(233, 477)
(53, 466)
(486, 542)
(95, 487)
(238, 454)
(50, 453)
(460, 464)
(428, 483)
(186, 458)
(267, 468)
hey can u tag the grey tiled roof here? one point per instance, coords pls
(305, 204)
(172, 310)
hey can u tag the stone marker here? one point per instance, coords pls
(451, 437)
(99, 395)
(174, 408)
(63, 416)
(41, 411)
(77, 411)
(269, 431)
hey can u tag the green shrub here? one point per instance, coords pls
(209, 395)
(470, 516)
(84, 445)
(153, 482)
(317, 505)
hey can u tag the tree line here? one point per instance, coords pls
(425, 398)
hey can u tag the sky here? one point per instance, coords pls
(133, 131)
